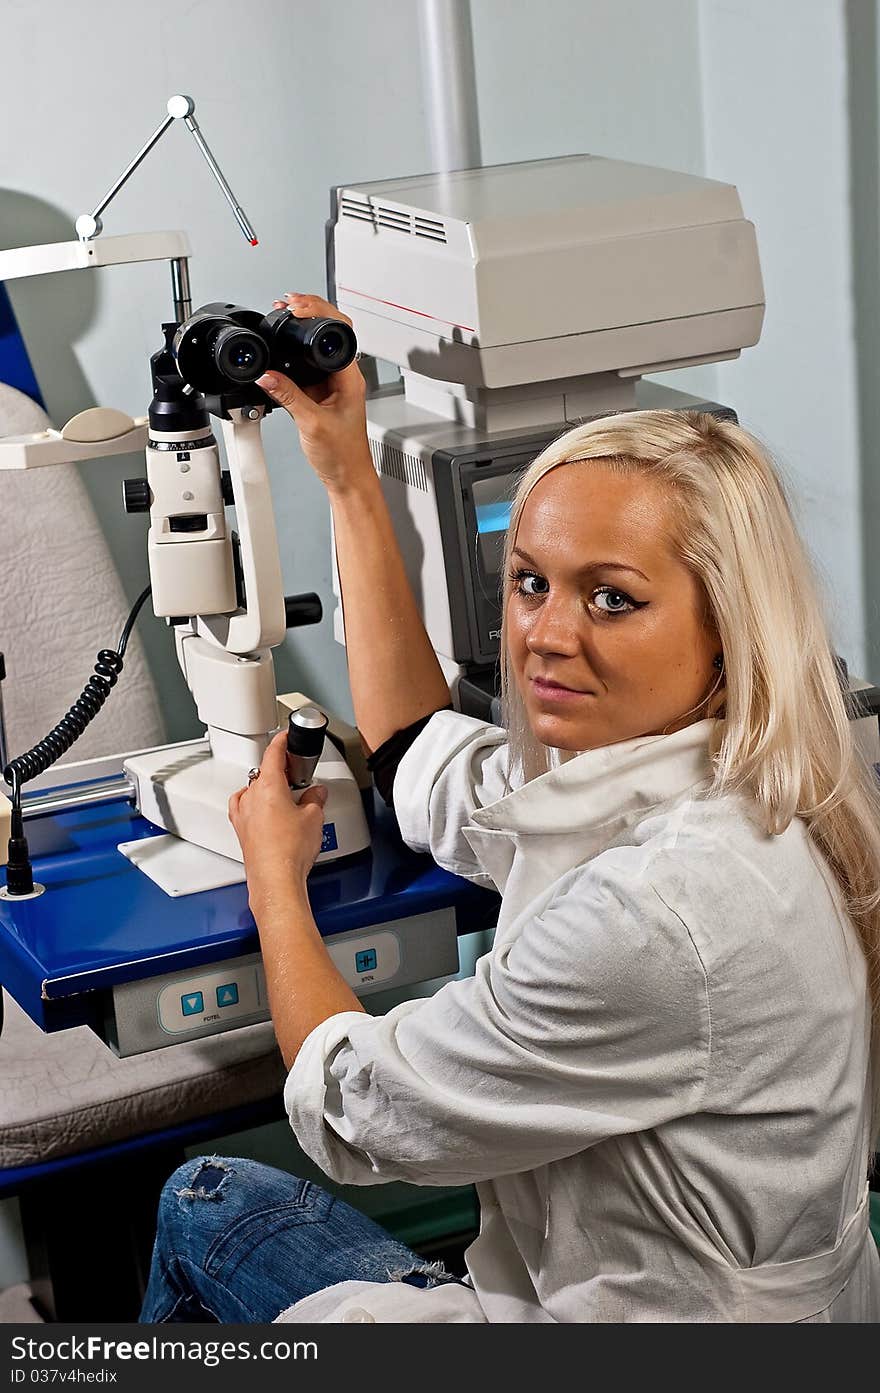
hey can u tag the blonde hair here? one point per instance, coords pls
(783, 735)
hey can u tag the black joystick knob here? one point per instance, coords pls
(136, 495)
(302, 609)
(305, 741)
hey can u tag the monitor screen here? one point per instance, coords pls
(494, 516)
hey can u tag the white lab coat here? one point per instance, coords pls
(656, 1078)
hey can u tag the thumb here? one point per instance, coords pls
(315, 795)
(285, 393)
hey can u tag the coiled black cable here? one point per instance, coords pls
(84, 710)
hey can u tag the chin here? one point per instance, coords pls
(559, 734)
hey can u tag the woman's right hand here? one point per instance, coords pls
(331, 417)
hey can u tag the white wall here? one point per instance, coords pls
(606, 77)
(863, 54)
(776, 122)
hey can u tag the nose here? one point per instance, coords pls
(554, 629)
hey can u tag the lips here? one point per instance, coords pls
(544, 686)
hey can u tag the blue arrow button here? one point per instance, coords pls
(227, 995)
(193, 1004)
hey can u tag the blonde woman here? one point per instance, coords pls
(660, 1077)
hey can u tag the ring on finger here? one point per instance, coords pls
(252, 774)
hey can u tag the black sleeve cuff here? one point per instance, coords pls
(383, 762)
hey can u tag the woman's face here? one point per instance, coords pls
(606, 628)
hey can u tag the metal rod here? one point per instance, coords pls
(214, 167)
(4, 745)
(106, 791)
(450, 84)
(133, 166)
(180, 288)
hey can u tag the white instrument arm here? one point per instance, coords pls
(224, 640)
(261, 623)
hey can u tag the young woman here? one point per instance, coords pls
(660, 1077)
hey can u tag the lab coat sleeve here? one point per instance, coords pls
(592, 1020)
(456, 765)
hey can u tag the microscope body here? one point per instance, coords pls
(222, 592)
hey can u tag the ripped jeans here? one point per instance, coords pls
(238, 1242)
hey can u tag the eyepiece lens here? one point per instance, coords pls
(239, 354)
(308, 350)
(330, 344)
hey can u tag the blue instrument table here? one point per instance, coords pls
(102, 922)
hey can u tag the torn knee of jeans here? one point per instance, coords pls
(423, 1274)
(207, 1180)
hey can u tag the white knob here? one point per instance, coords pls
(180, 106)
(88, 227)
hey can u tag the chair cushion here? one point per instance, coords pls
(65, 1093)
(61, 600)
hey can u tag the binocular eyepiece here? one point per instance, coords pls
(223, 346)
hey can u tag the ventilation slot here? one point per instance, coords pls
(395, 219)
(395, 464)
(357, 208)
(427, 227)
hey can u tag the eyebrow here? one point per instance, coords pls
(593, 565)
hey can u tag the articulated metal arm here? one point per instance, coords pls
(179, 108)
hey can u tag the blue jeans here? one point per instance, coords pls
(237, 1242)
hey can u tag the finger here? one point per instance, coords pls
(348, 382)
(274, 762)
(313, 307)
(232, 807)
(286, 394)
(315, 796)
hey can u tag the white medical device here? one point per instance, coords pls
(516, 301)
(221, 590)
(223, 594)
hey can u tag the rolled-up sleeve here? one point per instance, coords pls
(592, 1020)
(456, 765)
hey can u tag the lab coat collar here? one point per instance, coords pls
(603, 790)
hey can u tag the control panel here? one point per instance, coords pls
(161, 1011)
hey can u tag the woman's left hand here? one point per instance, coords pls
(280, 838)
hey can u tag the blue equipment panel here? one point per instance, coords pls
(15, 365)
(102, 921)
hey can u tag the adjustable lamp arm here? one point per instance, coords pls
(179, 108)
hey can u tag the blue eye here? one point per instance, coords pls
(607, 599)
(521, 582)
(617, 601)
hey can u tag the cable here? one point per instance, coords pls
(130, 621)
(19, 771)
